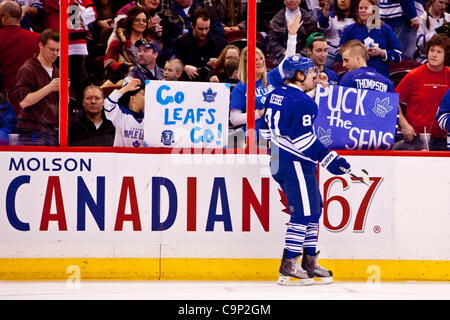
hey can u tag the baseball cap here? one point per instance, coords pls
(152, 44)
(313, 37)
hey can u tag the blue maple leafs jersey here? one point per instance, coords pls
(367, 78)
(290, 114)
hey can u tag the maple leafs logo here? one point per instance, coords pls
(209, 95)
(324, 136)
(381, 107)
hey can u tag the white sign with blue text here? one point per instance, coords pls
(183, 114)
(356, 119)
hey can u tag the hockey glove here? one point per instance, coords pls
(332, 162)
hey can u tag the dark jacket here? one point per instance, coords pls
(82, 131)
(191, 52)
(278, 33)
(141, 73)
(43, 116)
(175, 23)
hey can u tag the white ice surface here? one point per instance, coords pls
(220, 290)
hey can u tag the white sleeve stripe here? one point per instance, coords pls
(442, 120)
(293, 151)
(299, 143)
(307, 146)
(302, 137)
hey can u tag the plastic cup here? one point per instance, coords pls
(13, 139)
(425, 139)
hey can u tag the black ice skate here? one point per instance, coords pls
(292, 274)
(322, 275)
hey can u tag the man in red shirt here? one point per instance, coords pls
(17, 45)
(422, 90)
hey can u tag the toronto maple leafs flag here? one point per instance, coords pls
(356, 119)
(181, 114)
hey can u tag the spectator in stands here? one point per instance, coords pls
(17, 45)
(219, 73)
(153, 8)
(266, 82)
(176, 21)
(165, 4)
(401, 16)
(89, 127)
(434, 17)
(78, 25)
(317, 48)
(231, 13)
(443, 116)
(359, 75)
(173, 70)
(383, 46)
(51, 14)
(198, 49)
(231, 68)
(265, 12)
(146, 68)
(422, 90)
(37, 90)
(32, 14)
(125, 108)
(332, 27)
(8, 119)
(121, 54)
(278, 33)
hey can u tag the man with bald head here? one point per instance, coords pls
(17, 46)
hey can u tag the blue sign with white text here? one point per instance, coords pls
(356, 119)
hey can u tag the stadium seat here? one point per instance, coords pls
(398, 70)
(239, 39)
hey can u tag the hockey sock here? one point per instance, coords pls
(311, 238)
(293, 243)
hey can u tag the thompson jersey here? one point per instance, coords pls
(290, 114)
(129, 129)
(367, 78)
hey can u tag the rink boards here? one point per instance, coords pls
(216, 216)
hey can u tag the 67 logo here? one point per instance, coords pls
(345, 206)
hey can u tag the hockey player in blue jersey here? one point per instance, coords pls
(443, 116)
(295, 150)
(359, 75)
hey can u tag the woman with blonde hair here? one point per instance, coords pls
(266, 82)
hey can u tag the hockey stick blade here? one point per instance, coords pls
(364, 179)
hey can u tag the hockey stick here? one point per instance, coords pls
(365, 175)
